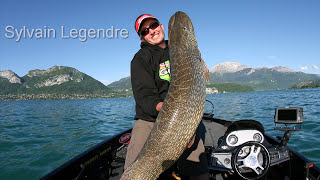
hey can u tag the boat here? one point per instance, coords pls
(234, 150)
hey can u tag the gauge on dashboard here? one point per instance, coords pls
(233, 139)
(257, 137)
(239, 137)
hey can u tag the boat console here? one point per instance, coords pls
(244, 150)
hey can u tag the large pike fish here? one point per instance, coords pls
(183, 107)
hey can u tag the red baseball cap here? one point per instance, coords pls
(140, 19)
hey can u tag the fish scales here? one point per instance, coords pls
(183, 107)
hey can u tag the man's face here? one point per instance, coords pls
(155, 36)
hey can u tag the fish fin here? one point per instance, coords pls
(206, 70)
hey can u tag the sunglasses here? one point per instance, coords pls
(145, 31)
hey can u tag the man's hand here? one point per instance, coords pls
(159, 106)
(192, 141)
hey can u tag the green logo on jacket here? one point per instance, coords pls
(164, 70)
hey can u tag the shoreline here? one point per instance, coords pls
(34, 97)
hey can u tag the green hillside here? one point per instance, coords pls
(58, 82)
(263, 79)
(123, 83)
(6, 87)
(307, 84)
(230, 87)
(76, 82)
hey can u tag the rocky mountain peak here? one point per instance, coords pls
(11, 76)
(38, 72)
(55, 75)
(228, 67)
(231, 67)
(283, 69)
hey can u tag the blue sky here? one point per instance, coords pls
(253, 32)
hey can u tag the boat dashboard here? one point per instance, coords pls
(244, 150)
(241, 147)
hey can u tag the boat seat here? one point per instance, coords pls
(213, 131)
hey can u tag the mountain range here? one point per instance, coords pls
(58, 82)
(61, 82)
(259, 79)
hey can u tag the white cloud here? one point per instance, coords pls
(315, 67)
(304, 68)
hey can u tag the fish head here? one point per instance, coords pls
(181, 31)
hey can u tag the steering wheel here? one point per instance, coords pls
(251, 160)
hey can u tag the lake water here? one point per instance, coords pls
(38, 136)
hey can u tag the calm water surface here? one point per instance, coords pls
(38, 136)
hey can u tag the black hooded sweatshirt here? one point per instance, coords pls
(150, 79)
